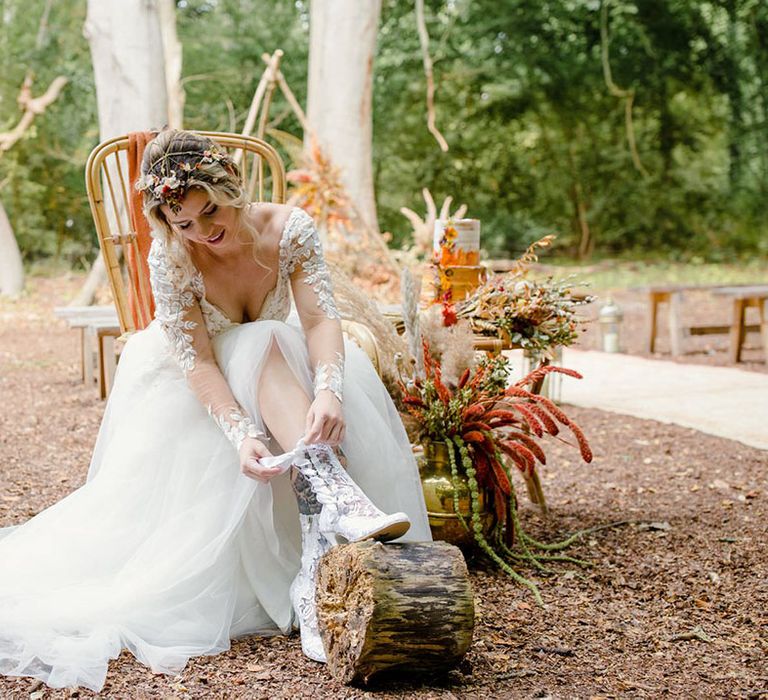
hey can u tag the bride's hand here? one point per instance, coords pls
(250, 452)
(325, 420)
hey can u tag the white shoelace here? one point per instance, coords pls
(285, 460)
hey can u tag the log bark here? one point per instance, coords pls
(404, 608)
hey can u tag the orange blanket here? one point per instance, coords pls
(138, 270)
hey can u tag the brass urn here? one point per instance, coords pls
(435, 470)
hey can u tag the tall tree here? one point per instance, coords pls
(342, 43)
(130, 64)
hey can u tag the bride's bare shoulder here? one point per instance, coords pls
(270, 218)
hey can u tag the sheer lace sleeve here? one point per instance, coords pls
(177, 291)
(313, 293)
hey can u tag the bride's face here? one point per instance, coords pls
(201, 221)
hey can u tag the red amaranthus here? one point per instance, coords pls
(488, 426)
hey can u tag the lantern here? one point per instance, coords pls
(610, 322)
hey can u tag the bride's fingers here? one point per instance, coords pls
(318, 431)
(254, 470)
(334, 437)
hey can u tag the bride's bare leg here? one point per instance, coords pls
(284, 405)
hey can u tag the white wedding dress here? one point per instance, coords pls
(168, 550)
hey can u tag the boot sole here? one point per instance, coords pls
(388, 532)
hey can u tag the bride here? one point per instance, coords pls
(216, 481)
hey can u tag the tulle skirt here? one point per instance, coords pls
(168, 550)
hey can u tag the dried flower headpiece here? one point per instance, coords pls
(168, 176)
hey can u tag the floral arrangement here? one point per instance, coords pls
(489, 428)
(535, 315)
(424, 227)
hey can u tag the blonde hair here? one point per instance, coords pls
(174, 151)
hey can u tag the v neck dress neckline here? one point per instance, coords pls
(276, 304)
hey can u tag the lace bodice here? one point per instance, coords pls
(177, 278)
(277, 303)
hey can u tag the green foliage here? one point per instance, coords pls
(43, 188)
(534, 131)
(538, 144)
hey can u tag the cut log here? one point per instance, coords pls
(383, 608)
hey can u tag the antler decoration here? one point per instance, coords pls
(423, 228)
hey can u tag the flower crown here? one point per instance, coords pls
(169, 180)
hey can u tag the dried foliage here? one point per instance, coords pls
(452, 346)
(319, 190)
(355, 305)
(489, 427)
(535, 315)
(410, 291)
(351, 244)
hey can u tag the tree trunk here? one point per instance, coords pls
(173, 54)
(126, 40)
(11, 269)
(342, 41)
(128, 63)
(96, 278)
(407, 608)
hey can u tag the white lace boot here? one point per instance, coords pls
(347, 514)
(302, 590)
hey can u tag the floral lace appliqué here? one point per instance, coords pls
(175, 292)
(236, 426)
(304, 249)
(330, 375)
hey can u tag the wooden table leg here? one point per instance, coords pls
(675, 327)
(89, 337)
(737, 329)
(654, 300)
(763, 309)
(83, 352)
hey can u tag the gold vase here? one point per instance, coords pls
(435, 470)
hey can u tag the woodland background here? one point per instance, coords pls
(536, 126)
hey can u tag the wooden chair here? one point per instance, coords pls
(109, 193)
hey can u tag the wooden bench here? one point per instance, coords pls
(673, 295)
(99, 327)
(743, 298)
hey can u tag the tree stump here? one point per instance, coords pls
(405, 607)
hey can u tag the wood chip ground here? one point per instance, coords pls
(675, 605)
